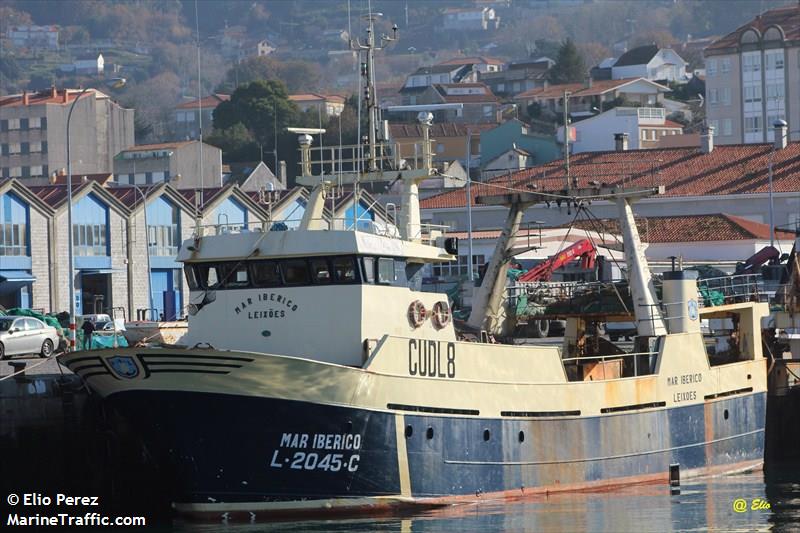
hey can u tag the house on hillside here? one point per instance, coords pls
(496, 143)
(427, 76)
(518, 77)
(470, 18)
(186, 123)
(652, 63)
(480, 64)
(588, 98)
(251, 176)
(643, 127)
(155, 163)
(29, 36)
(329, 105)
(88, 65)
(478, 104)
(449, 142)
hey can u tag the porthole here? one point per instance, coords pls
(409, 431)
(522, 436)
(429, 433)
(725, 414)
(486, 434)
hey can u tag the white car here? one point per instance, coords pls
(23, 335)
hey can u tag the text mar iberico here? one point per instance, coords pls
(318, 451)
(278, 306)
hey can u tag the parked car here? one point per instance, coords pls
(22, 335)
(617, 330)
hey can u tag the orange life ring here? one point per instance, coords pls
(416, 313)
(441, 315)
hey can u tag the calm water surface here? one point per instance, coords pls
(703, 505)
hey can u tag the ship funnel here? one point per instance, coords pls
(680, 301)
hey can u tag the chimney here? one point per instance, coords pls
(65, 98)
(707, 139)
(781, 138)
(53, 92)
(587, 82)
(26, 100)
(621, 142)
(282, 172)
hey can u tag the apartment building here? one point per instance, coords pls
(187, 116)
(33, 128)
(753, 78)
(198, 165)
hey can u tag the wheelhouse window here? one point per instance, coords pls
(344, 269)
(320, 271)
(369, 269)
(234, 275)
(386, 271)
(265, 274)
(295, 272)
(208, 276)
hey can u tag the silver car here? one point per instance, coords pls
(22, 335)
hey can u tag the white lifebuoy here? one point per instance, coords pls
(441, 315)
(416, 313)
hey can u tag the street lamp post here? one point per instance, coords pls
(114, 83)
(780, 129)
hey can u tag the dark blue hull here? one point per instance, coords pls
(220, 448)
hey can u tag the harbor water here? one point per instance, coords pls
(702, 505)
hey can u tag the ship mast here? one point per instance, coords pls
(382, 162)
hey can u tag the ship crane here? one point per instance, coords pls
(583, 250)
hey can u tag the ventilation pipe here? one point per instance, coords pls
(621, 142)
(707, 139)
(781, 137)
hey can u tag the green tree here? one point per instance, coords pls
(236, 143)
(261, 106)
(569, 67)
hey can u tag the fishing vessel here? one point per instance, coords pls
(315, 378)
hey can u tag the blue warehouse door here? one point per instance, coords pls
(165, 286)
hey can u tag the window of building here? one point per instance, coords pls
(725, 96)
(163, 228)
(24, 148)
(13, 225)
(458, 269)
(44, 147)
(26, 172)
(727, 126)
(4, 125)
(35, 147)
(501, 87)
(13, 124)
(90, 227)
(752, 124)
(15, 172)
(231, 213)
(751, 62)
(752, 93)
(775, 91)
(36, 170)
(23, 123)
(711, 68)
(14, 148)
(773, 60)
(487, 111)
(43, 123)
(35, 123)
(725, 65)
(5, 172)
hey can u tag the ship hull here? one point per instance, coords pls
(245, 457)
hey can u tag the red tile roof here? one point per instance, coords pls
(49, 96)
(788, 18)
(579, 89)
(671, 124)
(669, 229)
(473, 60)
(208, 102)
(55, 195)
(157, 146)
(314, 97)
(728, 169)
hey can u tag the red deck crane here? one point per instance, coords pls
(583, 249)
